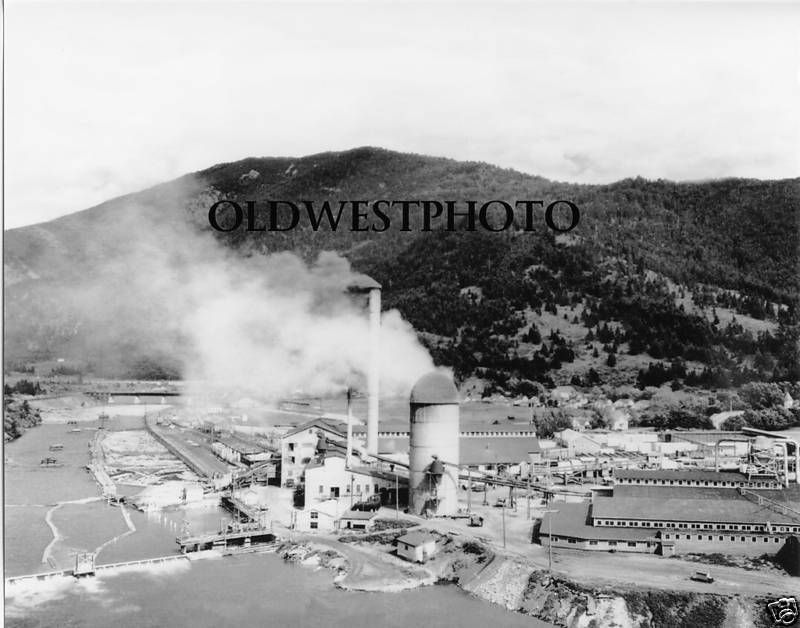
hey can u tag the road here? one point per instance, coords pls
(606, 569)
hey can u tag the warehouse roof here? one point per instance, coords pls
(573, 520)
(680, 474)
(497, 450)
(434, 388)
(789, 496)
(734, 510)
(237, 444)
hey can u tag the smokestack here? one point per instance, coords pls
(373, 375)
(349, 457)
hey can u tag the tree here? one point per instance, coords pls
(611, 360)
(733, 424)
(549, 424)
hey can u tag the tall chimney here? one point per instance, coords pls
(373, 375)
(349, 457)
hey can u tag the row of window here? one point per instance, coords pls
(718, 483)
(356, 489)
(710, 537)
(610, 543)
(687, 537)
(694, 526)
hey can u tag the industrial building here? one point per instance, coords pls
(330, 478)
(680, 511)
(237, 451)
(299, 446)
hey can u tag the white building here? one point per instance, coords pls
(299, 446)
(331, 480)
(416, 546)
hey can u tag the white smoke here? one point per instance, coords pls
(138, 283)
(274, 327)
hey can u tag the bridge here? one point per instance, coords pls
(103, 395)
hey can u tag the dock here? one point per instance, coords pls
(241, 537)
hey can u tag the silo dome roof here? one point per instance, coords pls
(434, 388)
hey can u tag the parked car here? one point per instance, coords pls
(475, 521)
(500, 503)
(702, 576)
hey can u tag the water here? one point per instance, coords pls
(248, 590)
(69, 496)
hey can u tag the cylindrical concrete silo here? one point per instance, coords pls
(434, 446)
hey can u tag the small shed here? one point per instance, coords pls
(357, 520)
(416, 546)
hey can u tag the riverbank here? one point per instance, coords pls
(517, 585)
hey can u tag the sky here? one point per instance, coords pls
(104, 99)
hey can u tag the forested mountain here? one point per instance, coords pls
(691, 283)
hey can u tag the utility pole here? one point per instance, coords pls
(550, 540)
(504, 525)
(396, 493)
(528, 494)
(469, 490)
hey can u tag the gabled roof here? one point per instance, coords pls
(334, 426)
(415, 539)
(361, 515)
(573, 520)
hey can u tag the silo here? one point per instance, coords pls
(433, 447)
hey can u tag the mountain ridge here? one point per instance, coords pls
(725, 235)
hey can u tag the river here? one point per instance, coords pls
(51, 513)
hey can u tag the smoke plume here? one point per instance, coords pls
(132, 279)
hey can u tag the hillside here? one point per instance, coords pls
(700, 279)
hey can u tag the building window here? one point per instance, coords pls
(721, 538)
(766, 540)
(592, 542)
(742, 538)
(314, 514)
(314, 525)
(572, 541)
(321, 489)
(291, 460)
(754, 539)
(777, 540)
(612, 543)
(631, 544)
(710, 538)
(733, 538)
(376, 488)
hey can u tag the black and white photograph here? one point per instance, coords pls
(400, 313)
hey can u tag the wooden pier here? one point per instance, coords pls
(241, 536)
